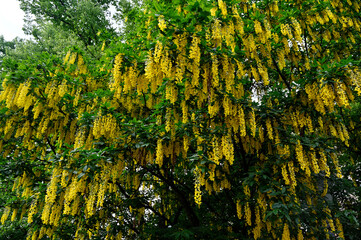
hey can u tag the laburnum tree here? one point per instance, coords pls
(217, 119)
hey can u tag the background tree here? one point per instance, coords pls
(84, 18)
(48, 38)
(216, 119)
(56, 26)
(5, 46)
(87, 19)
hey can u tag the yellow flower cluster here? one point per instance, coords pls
(223, 7)
(239, 209)
(291, 170)
(195, 52)
(340, 228)
(242, 122)
(76, 186)
(252, 123)
(51, 190)
(314, 162)
(90, 201)
(269, 129)
(105, 126)
(5, 214)
(286, 232)
(323, 163)
(197, 187)
(161, 23)
(159, 159)
(285, 174)
(228, 149)
(248, 214)
(300, 156)
(258, 225)
(33, 209)
(116, 70)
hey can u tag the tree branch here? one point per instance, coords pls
(280, 73)
(143, 204)
(51, 146)
(181, 196)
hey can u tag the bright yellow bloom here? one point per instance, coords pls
(161, 23)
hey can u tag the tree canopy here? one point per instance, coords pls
(85, 18)
(214, 119)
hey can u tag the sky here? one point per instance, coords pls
(11, 20)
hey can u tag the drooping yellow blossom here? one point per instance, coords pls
(223, 7)
(242, 122)
(247, 191)
(248, 214)
(252, 122)
(286, 232)
(5, 215)
(159, 159)
(161, 23)
(239, 209)
(228, 149)
(197, 187)
(213, 11)
(285, 174)
(269, 129)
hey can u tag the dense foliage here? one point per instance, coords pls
(215, 119)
